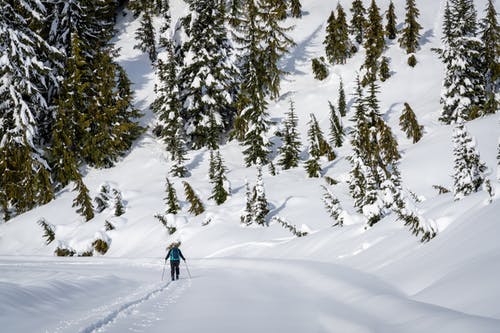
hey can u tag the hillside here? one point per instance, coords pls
(349, 279)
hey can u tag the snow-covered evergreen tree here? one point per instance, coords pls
(468, 169)
(409, 124)
(336, 129)
(260, 206)
(25, 179)
(295, 8)
(333, 207)
(83, 202)
(316, 140)
(145, 34)
(463, 86)
(119, 205)
(410, 34)
(219, 193)
(247, 215)
(384, 70)
(208, 79)
(490, 36)
(290, 150)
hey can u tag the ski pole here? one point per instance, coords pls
(187, 268)
(163, 273)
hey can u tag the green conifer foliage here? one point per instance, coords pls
(290, 150)
(342, 104)
(409, 124)
(219, 193)
(410, 34)
(319, 68)
(145, 35)
(385, 71)
(178, 168)
(332, 205)
(316, 142)
(390, 28)
(490, 36)
(171, 199)
(358, 21)
(296, 8)
(338, 46)
(246, 217)
(119, 206)
(336, 129)
(196, 206)
(83, 202)
(374, 42)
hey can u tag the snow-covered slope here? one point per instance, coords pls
(349, 279)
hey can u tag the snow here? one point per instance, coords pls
(251, 279)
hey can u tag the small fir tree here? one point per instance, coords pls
(410, 34)
(260, 205)
(412, 61)
(312, 165)
(102, 199)
(219, 193)
(342, 105)
(290, 150)
(119, 206)
(468, 169)
(171, 199)
(338, 46)
(332, 205)
(196, 207)
(82, 200)
(390, 28)
(178, 168)
(358, 21)
(385, 71)
(336, 129)
(246, 217)
(409, 124)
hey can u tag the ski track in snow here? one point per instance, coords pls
(130, 308)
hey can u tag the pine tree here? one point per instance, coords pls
(463, 94)
(83, 200)
(490, 36)
(119, 207)
(468, 169)
(196, 207)
(338, 45)
(342, 105)
(385, 71)
(219, 193)
(25, 179)
(145, 34)
(409, 124)
(171, 199)
(358, 21)
(336, 129)
(290, 149)
(333, 207)
(246, 217)
(208, 78)
(178, 152)
(410, 34)
(102, 200)
(315, 137)
(374, 42)
(296, 8)
(390, 28)
(260, 206)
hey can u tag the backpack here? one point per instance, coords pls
(174, 254)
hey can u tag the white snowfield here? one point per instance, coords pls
(263, 279)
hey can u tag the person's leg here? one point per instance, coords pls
(172, 269)
(177, 269)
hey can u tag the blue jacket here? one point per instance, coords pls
(174, 254)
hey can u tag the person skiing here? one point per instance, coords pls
(174, 255)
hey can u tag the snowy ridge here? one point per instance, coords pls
(248, 279)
